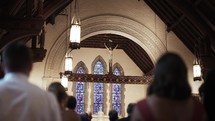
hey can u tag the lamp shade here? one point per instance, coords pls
(75, 33)
(68, 63)
(64, 81)
(196, 70)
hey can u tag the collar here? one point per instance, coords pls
(11, 76)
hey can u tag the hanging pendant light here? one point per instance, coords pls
(75, 31)
(68, 64)
(196, 65)
(196, 70)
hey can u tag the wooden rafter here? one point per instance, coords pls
(55, 6)
(200, 24)
(18, 28)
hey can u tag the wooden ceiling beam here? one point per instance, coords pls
(13, 6)
(183, 36)
(169, 28)
(110, 78)
(13, 23)
(164, 5)
(143, 58)
(18, 28)
(209, 23)
(54, 6)
(16, 35)
(137, 59)
(30, 7)
(184, 7)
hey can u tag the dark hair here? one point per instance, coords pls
(58, 90)
(71, 103)
(130, 108)
(208, 91)
(113, 115)
(170, 78)
(17, 57)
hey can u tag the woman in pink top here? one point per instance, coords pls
(169, 95)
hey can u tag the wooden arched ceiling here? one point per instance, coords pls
(132, 49)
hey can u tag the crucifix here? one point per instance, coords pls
(110, 49)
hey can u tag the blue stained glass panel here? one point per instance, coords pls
(116, 93)
(80, 89)
(98, 98)
(117, 107)
(80, 97)
(97, 106)
(80, 86)
(99, 68)
(116, 98)
(116, 88)
(80, 108)
(98, 87)
(80, 70)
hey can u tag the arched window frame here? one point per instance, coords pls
(117, 65)
(99, 58)
(81, 64)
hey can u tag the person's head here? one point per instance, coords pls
(170, 78)
(17, 57)
(130, 108)
(86, 116)
(71, 102)
(59, 91)
(113, 115)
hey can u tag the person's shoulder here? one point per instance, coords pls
(34, 89)
(72, 115)
(2, 85)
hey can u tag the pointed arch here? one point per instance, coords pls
(118, 66)
(80, 88)
(100, 59)
(81, 64)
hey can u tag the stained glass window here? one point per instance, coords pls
(80, 89)
(98, 88)
(116, 93)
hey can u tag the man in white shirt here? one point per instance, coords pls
(19, 99)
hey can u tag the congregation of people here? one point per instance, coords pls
(169, 96)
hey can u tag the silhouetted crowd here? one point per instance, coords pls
(169, 96)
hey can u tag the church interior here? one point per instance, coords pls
(120, 42)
